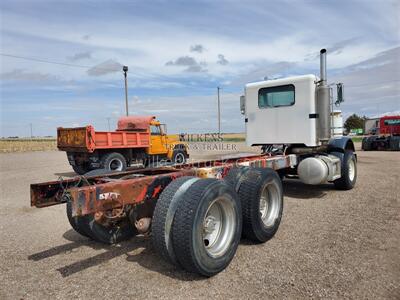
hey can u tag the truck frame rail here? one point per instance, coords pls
(97, 194)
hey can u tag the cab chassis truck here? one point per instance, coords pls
(197, 213)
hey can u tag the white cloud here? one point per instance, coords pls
(106, 67)
(197, 48)
(24, 75)
(222, 60)
(80, 56)
(189, 62)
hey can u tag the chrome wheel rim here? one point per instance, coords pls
(115, 165)
(352, 170)
(269, 204)
(219, 226)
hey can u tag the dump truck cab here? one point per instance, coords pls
(164, 146)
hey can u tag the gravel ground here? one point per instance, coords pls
(331, 244)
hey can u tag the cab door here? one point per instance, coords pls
(158, 143)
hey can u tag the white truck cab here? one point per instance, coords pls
(294, 115)
(282, 111)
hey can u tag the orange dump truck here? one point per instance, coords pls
(138, 139)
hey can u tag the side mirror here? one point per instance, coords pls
(242, 105)
(340, 93)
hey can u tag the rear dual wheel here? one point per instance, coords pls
(110, 234)
(113, 162)
(79, 224)
(197, 224)
(261, 195)
(113, 232)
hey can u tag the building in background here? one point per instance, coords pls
(371, 126)
(337, 118)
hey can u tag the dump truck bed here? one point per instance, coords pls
(86, 139)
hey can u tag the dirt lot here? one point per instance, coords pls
(331, 244)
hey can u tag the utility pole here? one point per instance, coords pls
(108, 120)
(125, 69)
(30, 125)
(219, 111)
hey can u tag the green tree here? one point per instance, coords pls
(353, 122)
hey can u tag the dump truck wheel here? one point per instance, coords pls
(179, 157)
(80, 169)
(207, 227)
(98, 172)
(163, 216)
(111, 234)
(114, 162)
(349, 172)
(79, 224)
(261, 196)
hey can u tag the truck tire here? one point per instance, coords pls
(235, 176)
(366, 144)
(179, 157)
(79, 224)
(261, 196)
(207, 227)
(394, 143)
(80, 169)
(348, 173)
(163, 216)
(113, 161)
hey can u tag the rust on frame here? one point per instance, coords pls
(113, 192)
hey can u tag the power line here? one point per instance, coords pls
(137, 73)
(54, 62)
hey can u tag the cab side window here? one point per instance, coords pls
(276, 96)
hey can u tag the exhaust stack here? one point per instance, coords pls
(323, 103)
(322, 66)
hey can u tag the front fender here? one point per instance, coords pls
(177, 145)
(338, 145)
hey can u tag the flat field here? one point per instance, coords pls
(25, 145)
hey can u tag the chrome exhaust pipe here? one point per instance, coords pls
(322, 66)
(323, 103)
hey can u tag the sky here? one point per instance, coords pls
(61, 61)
